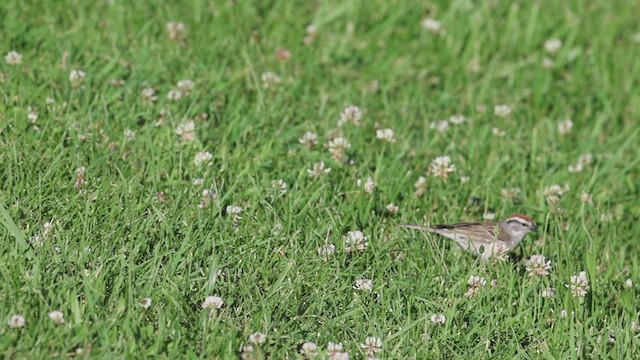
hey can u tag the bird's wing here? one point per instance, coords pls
(486, 236)
(486, 233)
(460, 238)
(483, 231)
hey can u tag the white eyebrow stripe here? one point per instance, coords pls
(520, 220)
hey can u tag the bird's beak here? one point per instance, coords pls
(535, 227)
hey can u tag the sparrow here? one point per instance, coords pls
(488, 238)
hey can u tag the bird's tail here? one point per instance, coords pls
(416, 227)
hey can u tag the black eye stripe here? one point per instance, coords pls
(521, 222)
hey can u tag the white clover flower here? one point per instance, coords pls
(117, 82)
(312, 33)
(386, 135)
(420, 185)
(340, 356)
(198, 181)
(187, 131)
(149, 94)
(164, 113)
(270, 80)
(369, 185)
(76, 77)
(392, 208)
(280, 186)
(334, 347)
(80, 177)
(355, 241)
(371, 346)
(16, 321)
(585, 198)
(202, 158)
(338, 148)
(208, 196)
(232, 209)
(47, 227)
(457, 119)
(236, 213)
(283, 54)
(442, 126)
(145, 303)
(212, 302)
(246, 352)
(548, 293)
(502, 110)
(565, 126)
(13, 58)
(185, 85)
(579, 284)
(258, 338)
(363, 284)
(575, 168)
(309, 350)
(32, 116)
(547, 63)
(585, 159)
(489, 216)
(438, 319)
(318, 170)
(129, 134)
(499, 252)
(373, 86)
(441, 167)
(510, 194)
(538, 265)
(309, 139)
(573, 54)
(57, 316)
(471, 292)
(498, 132)
(432, 25)
(326, 250)
(476, 281)
(175, 30)
(554, 192)
(464, 179)
(175, 94)
(335, 352)
(606, 217)
(351, 114)
(628, 283)
(552, 45)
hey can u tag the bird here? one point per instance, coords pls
(485, 239)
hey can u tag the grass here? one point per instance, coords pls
(112, 242)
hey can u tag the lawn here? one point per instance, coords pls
(226, 179)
